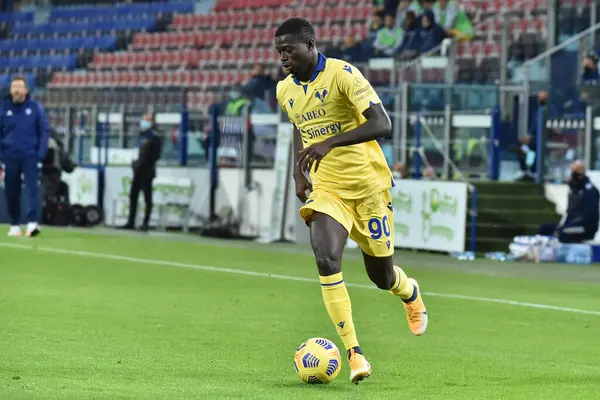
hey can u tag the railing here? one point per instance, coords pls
(562, 139)
(585, 42)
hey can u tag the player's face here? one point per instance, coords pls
(295, 56)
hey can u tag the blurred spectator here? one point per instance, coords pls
(452, 19)
(580, 221)
(410, 45)
(590, 68)
(257, 105)
(237, 102)
(261, 84)
(405, 6)
(389, 38)
(429, 174)
(399, 170)
(431, 34)
(526, 150)
(241, 98)
(352, 51)
(379, 6)
(144, 170)
(374, 27)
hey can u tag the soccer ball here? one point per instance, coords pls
(317, 360)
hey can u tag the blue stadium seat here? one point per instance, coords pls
(42, 62)
(44, 45)
(73, 13)
(11, 17)
(147, 24)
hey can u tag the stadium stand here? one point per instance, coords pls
(166, 45)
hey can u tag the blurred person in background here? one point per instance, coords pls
(411, 45)
(144, 170)
(388, 39)
(56, 161)
(374, 27)
(24, 135)
(431, 34)
(261, 84)
(405, 6)
(453, 19)
(429, 174)
(580, 222)
(399, 170)
(240, 99)
(590, 68)
(526, 150)
(379, 6)
(352, 50)
(237, 102)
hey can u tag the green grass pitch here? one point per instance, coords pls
(101, 315)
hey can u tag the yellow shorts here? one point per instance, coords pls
(369, 221)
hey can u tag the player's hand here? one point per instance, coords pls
(302, 185)
(313, 154)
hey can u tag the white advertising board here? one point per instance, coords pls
(117, 183)
(430, 215)
(83, 186)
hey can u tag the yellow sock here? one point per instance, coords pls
(337, 303)
(401, 286)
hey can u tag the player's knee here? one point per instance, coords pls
(328, 264)
(384, 281)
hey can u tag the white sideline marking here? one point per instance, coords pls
(284, 277)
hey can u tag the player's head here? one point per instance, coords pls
(18, 89)
(295, 42)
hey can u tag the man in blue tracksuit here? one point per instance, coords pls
(580, 222)
(24, 134)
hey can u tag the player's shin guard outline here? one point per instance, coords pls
(339, 308)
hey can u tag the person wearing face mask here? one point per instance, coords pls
(591, 74)
(580, 222)
(237, 102)
(24, 135)
(144, 171)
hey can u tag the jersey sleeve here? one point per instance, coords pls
(356, 88)
(279, 95)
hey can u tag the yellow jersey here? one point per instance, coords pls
(332, 103)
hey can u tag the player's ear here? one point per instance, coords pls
(310, 44)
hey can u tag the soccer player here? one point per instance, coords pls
(337, 119)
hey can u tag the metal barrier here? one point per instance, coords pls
(457, 130)
(561, 140)
(584, 42)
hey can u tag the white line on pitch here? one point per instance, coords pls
(283, 277)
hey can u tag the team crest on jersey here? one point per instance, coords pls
(28, 111)
(291, 102)
(320, 94)
(9, 113)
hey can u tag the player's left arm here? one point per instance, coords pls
(363, 97)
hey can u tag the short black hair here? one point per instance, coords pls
(19, 78)
(301, 29)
